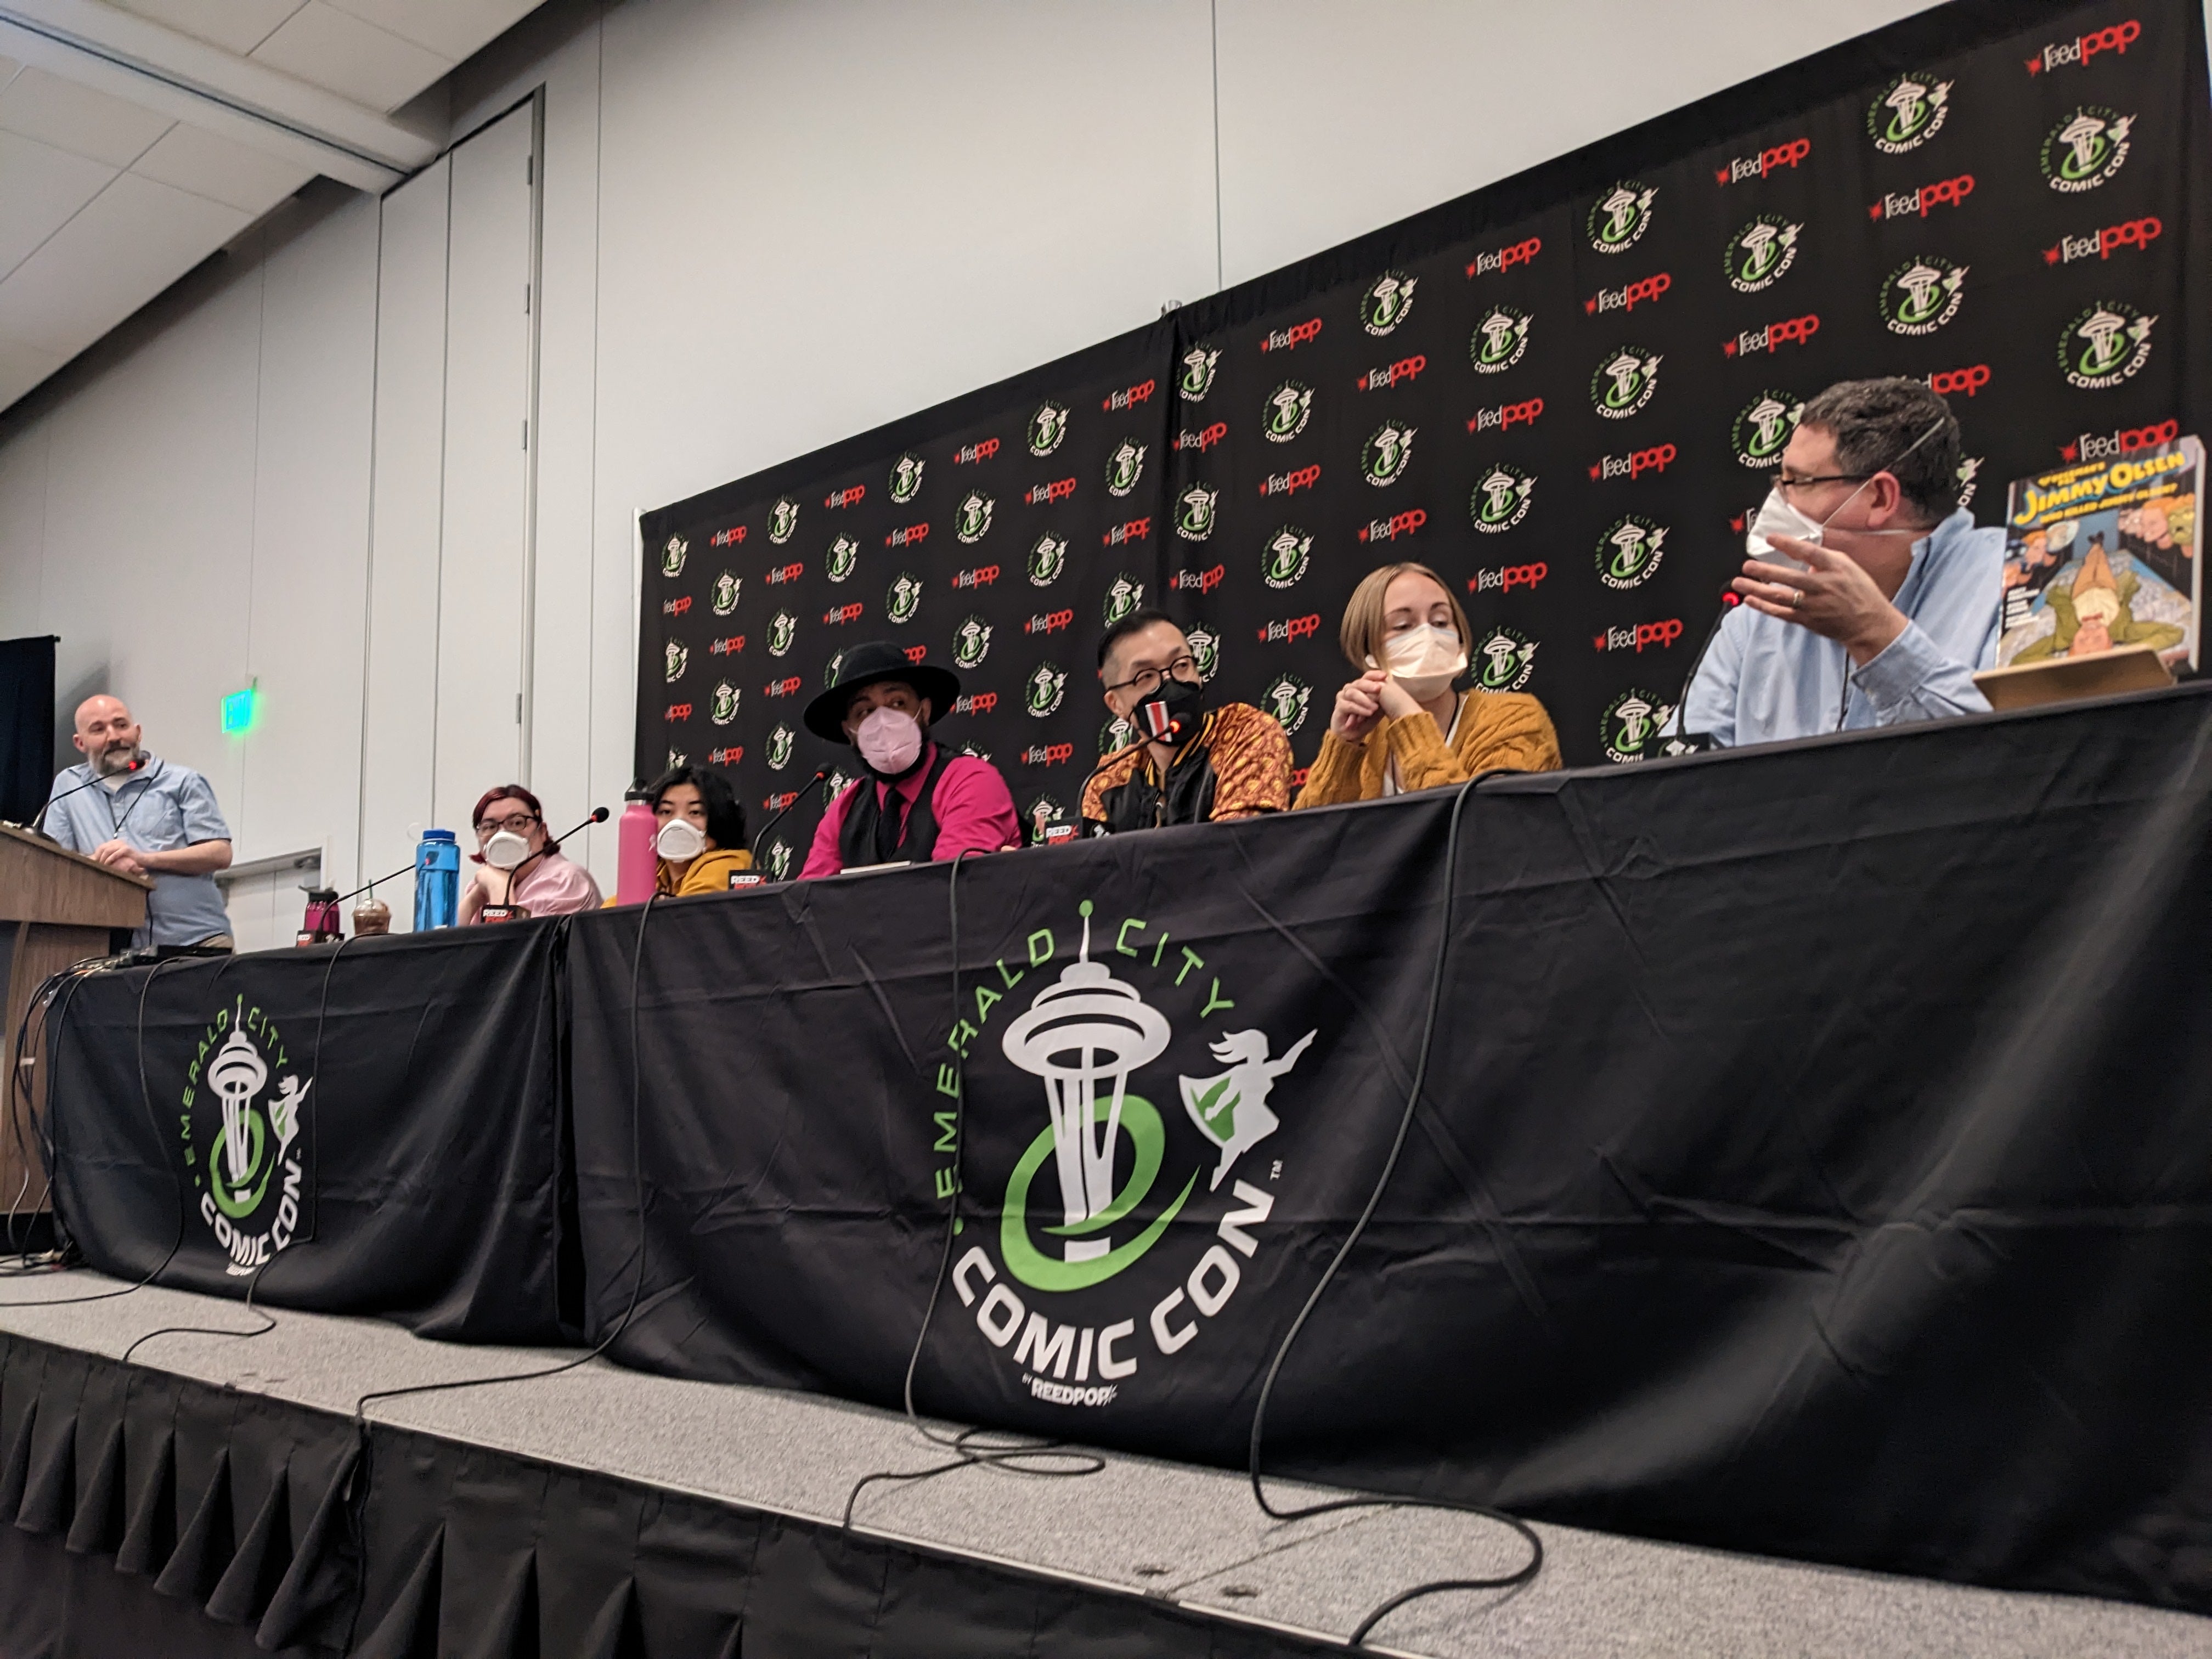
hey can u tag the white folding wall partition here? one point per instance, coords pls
(447, 693)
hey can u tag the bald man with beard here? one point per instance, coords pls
(148, 818)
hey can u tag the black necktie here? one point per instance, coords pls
(890, 824)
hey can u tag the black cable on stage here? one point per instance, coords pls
(253, 1283)
(966, 1455)
(1529, 1569)
(146, 1099)
(21, 1110)
(637, 1280)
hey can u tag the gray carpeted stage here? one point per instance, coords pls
(1188, 1534)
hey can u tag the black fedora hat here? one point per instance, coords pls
(864, 664)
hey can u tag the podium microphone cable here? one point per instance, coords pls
(637, 1279)
(146, 1099)
(1038, 1459)
(1528, 1568)
(21, 1111)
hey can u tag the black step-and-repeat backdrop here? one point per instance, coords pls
(1564, 392)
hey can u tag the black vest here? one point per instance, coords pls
(858, 840)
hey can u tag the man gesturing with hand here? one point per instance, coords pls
(1870, 597)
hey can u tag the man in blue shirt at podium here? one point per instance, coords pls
(147, 816)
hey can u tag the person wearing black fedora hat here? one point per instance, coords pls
(917, 802)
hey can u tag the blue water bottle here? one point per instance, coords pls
(437, 881)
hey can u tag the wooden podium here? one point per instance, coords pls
(55, 907)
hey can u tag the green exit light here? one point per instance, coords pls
(238, 710)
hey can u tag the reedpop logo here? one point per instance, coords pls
(2136, 233)
(1506, 579)
(1505, 415)
(1634, 464)
(2078, 51)
(1907, 204)
(1397, 524)
(1768, 160)
(1646, 292)
(1751, 341)
(1381, 380)
(2095, 446)
(1504, 258)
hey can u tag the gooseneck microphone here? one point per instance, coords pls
(599, 815)
(798, 795)
(97, 777)
(1682, 701)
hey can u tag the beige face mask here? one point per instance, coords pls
(1425, 660)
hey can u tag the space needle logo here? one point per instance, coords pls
(248, 1175)
(1121, 1169)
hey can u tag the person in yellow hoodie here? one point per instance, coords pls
(701, 842)
(1402, 725)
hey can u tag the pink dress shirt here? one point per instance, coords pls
(973, 812)
(552, 886)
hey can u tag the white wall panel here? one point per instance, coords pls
(484, 553)
(149, 536)
(318, 353)
(400, 704)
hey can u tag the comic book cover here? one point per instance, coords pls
(2107, 553)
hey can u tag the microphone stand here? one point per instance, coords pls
(798, 795)
(37, 824)
(599, 815)
(1682, 701)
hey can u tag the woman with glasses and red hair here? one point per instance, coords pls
(517, 867)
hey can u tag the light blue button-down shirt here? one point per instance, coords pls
(1766, 680)
(160, 807)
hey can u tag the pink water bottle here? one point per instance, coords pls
(635, 862)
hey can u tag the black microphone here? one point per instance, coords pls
(97, 777)
(599, 815)
(798, 795)
(1682, 702)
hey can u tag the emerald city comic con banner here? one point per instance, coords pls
(377, 1133)
(1863, 1223)
(1564, 392)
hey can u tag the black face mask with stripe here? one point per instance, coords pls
(1171, 715)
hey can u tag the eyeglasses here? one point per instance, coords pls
(1785, 485)
(519, 823)
(1147, 681)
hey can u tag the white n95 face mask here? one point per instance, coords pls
(1777, 517)
(506, 849)
(1424, 660)
(680, 840)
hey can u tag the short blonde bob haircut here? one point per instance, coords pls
(1362, 631)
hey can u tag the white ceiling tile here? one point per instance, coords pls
(9, 66)
(135, 239)
(355, 59)
(22, 366)
(40, 187)
(236, 26)
(220, 170)
(453, 28)
(43, 106)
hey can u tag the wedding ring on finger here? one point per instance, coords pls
(1796, 598)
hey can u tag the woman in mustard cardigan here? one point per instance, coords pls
(1401, 726)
